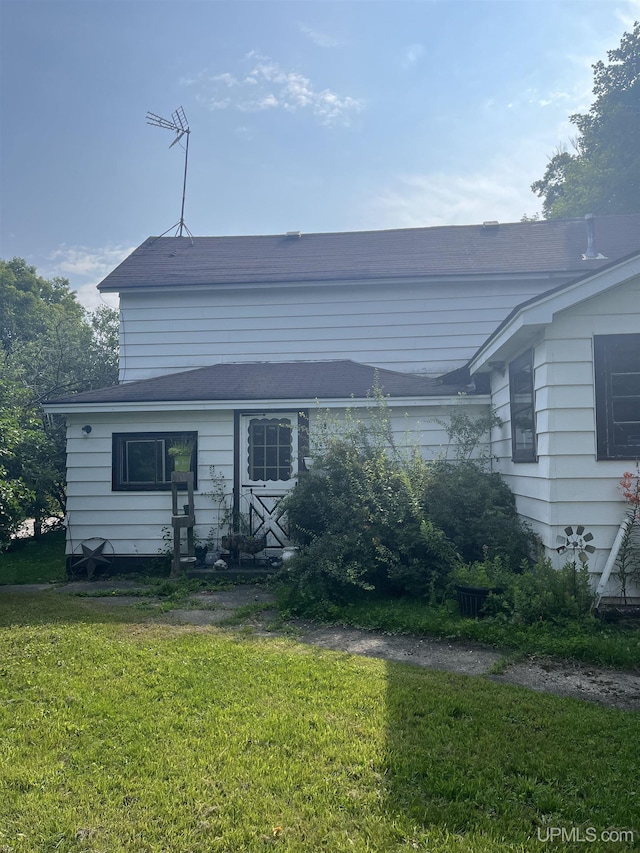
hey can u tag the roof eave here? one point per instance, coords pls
(152, 286)
(539, 311)
(252, 404)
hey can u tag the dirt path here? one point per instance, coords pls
(613, 688)
(609, 687)
(606, 686)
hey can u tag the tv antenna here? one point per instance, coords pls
(180, 126)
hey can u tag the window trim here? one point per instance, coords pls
(118, 440)
(523, 454)
(604, 347)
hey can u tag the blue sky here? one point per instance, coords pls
(317, 115)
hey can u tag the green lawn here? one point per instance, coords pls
(34, 560)
(590, 640)
(123, 736)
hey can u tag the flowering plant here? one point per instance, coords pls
(628, 559)
(630, 486)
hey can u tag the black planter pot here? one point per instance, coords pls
(471, 600)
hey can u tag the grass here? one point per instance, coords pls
(588, 640)
(39, 560)
(120, 735)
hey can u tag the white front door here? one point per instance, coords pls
(268, 466)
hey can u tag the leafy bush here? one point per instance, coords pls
(542, 593)
(368, 517)
(359, 520)
(476, 510)
(490, 573)
(533, 592)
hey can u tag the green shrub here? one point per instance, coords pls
(359, 518)
(476, 510)
(34, 560)
(542, 593)
(534, 593)
(370, 519)
(490, 573)
(361, 527)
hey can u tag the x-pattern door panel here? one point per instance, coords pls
(266, 518)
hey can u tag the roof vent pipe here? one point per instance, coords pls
(591, 236)
(591, 254)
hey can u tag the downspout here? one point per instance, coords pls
(611, 560)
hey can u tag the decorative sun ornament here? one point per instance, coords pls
(577, 541)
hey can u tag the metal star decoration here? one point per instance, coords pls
(92, 557)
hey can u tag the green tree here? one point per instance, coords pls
(603, 176)
(49, 346)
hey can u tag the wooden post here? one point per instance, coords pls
(179, 520)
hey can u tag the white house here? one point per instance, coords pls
(566, 364)
(244, 342)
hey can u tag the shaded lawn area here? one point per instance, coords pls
(39, 560)
(120, 735)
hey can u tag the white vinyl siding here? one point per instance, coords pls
(135, 522)
(416, 326)
(568, 485)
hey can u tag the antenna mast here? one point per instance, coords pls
(180, 126)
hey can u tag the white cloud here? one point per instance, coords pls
(265, 103)
(321, 39)
(85, 268)
(243, 132)
(90, 298)
(226, 78)
(444, 199)
(574, 98)
(501, 191)
(535, 98)
(629, 14)
(412, 55)
(268, 86)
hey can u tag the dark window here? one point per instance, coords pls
(617, 375)
(523, 413)
(141, 460)
(270, 450)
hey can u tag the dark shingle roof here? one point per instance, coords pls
(298, 380)
(531, 247)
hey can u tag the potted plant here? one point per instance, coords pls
(474, 583)
(181, 452)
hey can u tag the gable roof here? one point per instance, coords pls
(541, 309)
(548, 246)
(298, 380)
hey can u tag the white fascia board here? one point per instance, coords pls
(543, 310)
(341, 282)
(231, 405)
